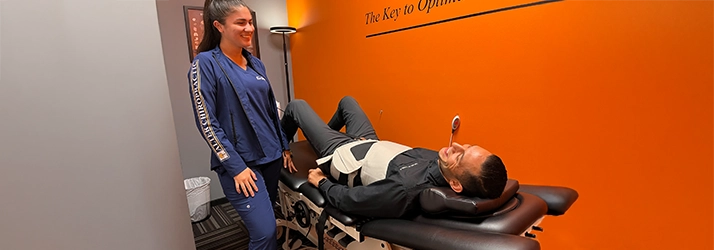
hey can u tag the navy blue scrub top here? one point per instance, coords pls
(258, 92)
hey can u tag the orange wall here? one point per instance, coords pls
(612, 98)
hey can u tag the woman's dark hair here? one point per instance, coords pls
(216, 10)
(489, 183)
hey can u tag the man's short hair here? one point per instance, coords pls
(489, 183)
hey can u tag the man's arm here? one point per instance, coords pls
(385, 198)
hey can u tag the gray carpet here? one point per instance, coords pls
(224, 230)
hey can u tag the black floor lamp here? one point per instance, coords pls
(284, 30)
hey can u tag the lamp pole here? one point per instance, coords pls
(284, 30)
(287, 75)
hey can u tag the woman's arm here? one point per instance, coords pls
(203, 99)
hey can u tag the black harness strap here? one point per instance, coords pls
(321, 230)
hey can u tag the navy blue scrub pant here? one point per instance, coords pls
(257, 212)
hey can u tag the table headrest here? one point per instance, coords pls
(444, 201)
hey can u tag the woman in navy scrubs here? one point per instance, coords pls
(236, 114)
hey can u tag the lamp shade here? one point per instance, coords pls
(283, 29)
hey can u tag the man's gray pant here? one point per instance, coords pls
(325, 138)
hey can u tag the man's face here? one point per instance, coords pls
(456, 159)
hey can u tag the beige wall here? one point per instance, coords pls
(88, 151)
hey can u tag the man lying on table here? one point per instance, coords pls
(381, 178)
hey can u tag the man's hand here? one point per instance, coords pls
(314, 176)
(245, 182)
(288, 161)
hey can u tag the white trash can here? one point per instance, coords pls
(198, 192)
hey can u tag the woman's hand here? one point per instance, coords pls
(288, 161)
(245, 182)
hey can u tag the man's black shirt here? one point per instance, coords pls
(398, 194)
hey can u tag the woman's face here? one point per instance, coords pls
(238, 28)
